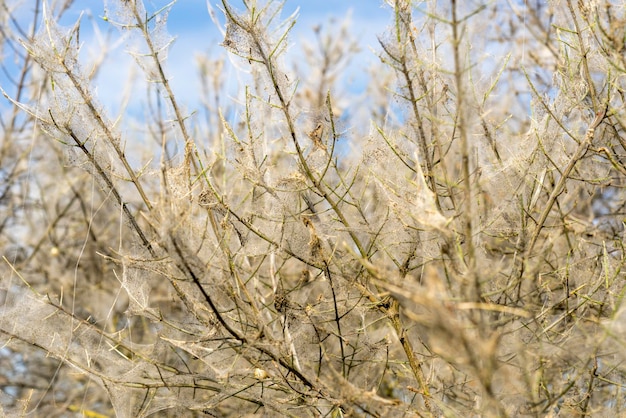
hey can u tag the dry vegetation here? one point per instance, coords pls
(447, 243)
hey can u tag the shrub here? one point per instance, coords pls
(460, 255)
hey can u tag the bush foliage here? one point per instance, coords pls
(447, 242)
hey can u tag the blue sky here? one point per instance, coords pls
(189, 22)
